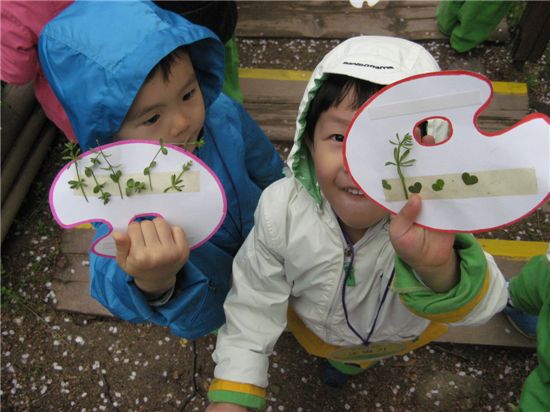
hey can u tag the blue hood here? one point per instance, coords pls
(96, 56)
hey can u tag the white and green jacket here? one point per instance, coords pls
(290, 273)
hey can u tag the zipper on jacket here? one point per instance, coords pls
(346, 259)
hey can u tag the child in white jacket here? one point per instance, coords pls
(352, 285)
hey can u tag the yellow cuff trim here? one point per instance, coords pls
(223, 385)
(460, 313)
(317, 347)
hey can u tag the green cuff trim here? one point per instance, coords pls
(243, 399)
(423, 301)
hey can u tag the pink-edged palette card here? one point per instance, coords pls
(470, 180)
(119, 182)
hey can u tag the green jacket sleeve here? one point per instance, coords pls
(457, 303)
(531, 287)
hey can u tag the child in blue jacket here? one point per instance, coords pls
(131, 70)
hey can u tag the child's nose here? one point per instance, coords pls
(180, 123)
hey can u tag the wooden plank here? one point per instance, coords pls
(498, 332)
(71, 288)
(533, 32)
(16, 108)
(74, 296)
(76, 241)
(26, 176)
(23, 146)
(274, 105)
(339, 20)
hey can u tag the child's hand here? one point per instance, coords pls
(429, 253)
(428, 140)
(225, 407)
(152, 252)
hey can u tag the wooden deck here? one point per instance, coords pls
(272, 97)
(413, 20)
(71, 287)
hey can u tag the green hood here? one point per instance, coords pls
(377, 59)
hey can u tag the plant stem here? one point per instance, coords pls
(112, 169)
(79, 179)
(151, 165)
(402, 178)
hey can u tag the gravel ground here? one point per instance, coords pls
(55, 361)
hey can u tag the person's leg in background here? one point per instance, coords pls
(469, 23)
(231, 85)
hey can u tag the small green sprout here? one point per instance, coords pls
(469, 179)
(176, 181)
(401, 151)
(153, 163)
(198, 143)
(72, 152)
(134, 186)
(99, 187)
(416, 188)
(438, 185)
(115, 170)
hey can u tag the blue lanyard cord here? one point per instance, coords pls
(239, 226)
(366, 341)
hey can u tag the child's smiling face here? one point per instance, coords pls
(355, 211)
(171, 109)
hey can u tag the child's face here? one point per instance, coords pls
(172, 110)
(355, 211)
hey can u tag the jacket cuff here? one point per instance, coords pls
(249, 396)
(158, 299)
(454, 305)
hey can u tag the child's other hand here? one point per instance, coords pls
(225, 407)
(429, 253)
(153, 252)
(427, 140)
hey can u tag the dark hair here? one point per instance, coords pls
(332, 92)
(165, 65)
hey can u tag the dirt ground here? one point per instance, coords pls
(56, 361)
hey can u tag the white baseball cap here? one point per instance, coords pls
(378, 59)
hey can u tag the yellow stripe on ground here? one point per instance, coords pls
(509, 88)
(304, 75)
(514, 249)
(275, 74)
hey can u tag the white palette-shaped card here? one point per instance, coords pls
(473, 181)
(193, 198)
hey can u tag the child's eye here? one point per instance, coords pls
(188, 96)
(337, 137)
(151, 120)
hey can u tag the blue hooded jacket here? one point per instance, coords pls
(96, 56)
